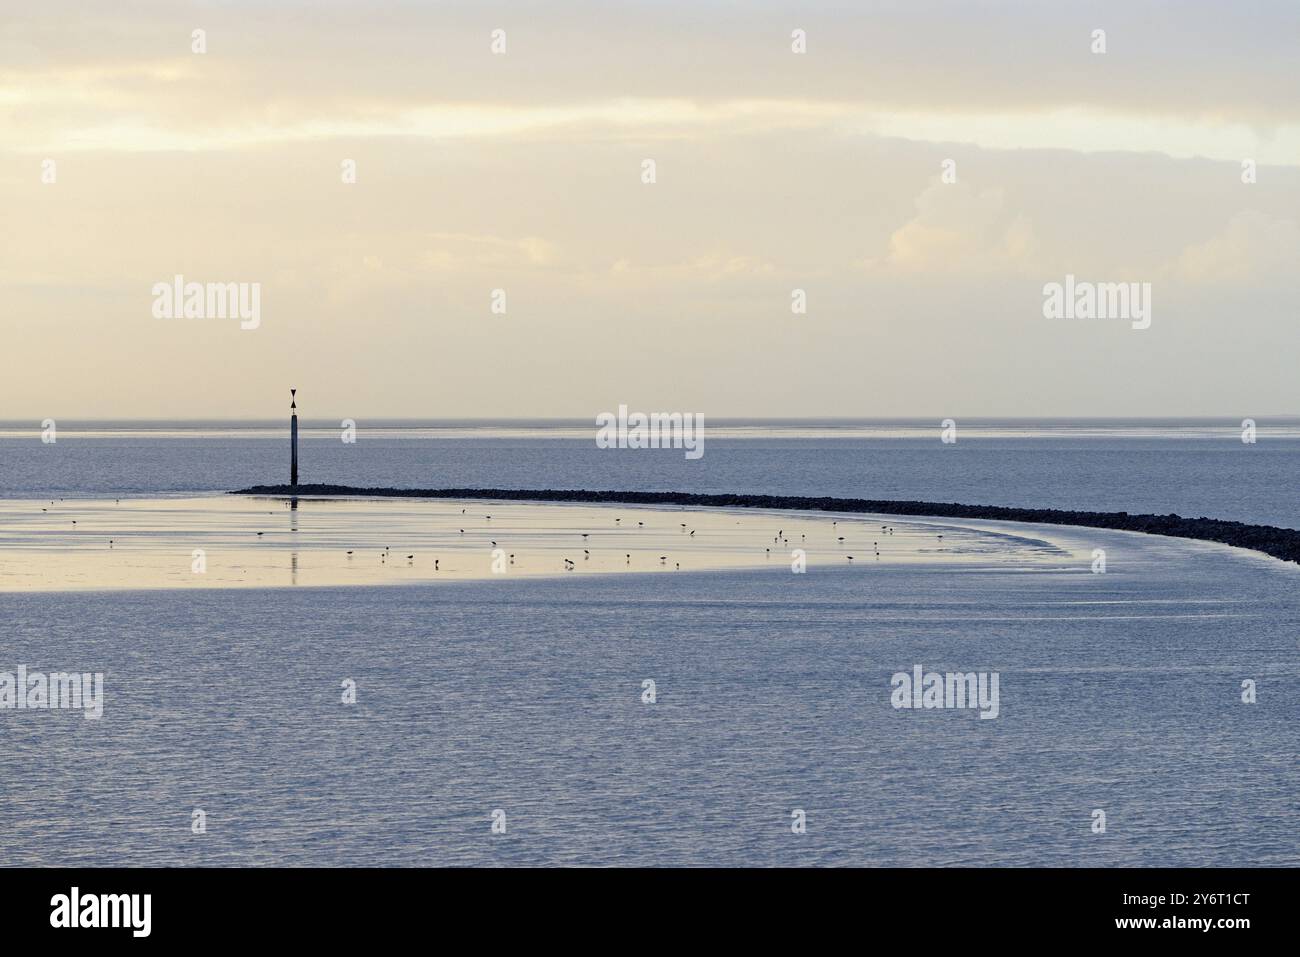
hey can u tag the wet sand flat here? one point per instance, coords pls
(220, 541)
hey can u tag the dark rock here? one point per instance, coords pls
(1283, 543)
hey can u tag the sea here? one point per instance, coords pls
(1148, 712)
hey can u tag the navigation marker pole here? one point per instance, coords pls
(293, 437)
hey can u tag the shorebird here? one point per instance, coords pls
(662, 559)
(435, 564)
(692, 533)
(494, 544)
(850, 558)
(584, 536)
(259, 534)
(629, 559)
(349, 554)
(641, 523)
(840, 539)
(586, 554)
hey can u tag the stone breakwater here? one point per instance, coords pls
(1283, 543)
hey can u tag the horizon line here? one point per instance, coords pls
(34, 421)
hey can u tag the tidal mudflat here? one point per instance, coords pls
(219, 541)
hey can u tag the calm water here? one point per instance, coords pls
(1119, 692)
(1192, 469)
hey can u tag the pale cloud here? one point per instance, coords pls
(1207, 80)
(461, 251)
(111, 122)
(1182, 135)
(959, 229)
(1253, 246)
(711, 266)
(409, 264)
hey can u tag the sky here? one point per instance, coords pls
(127, 158)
